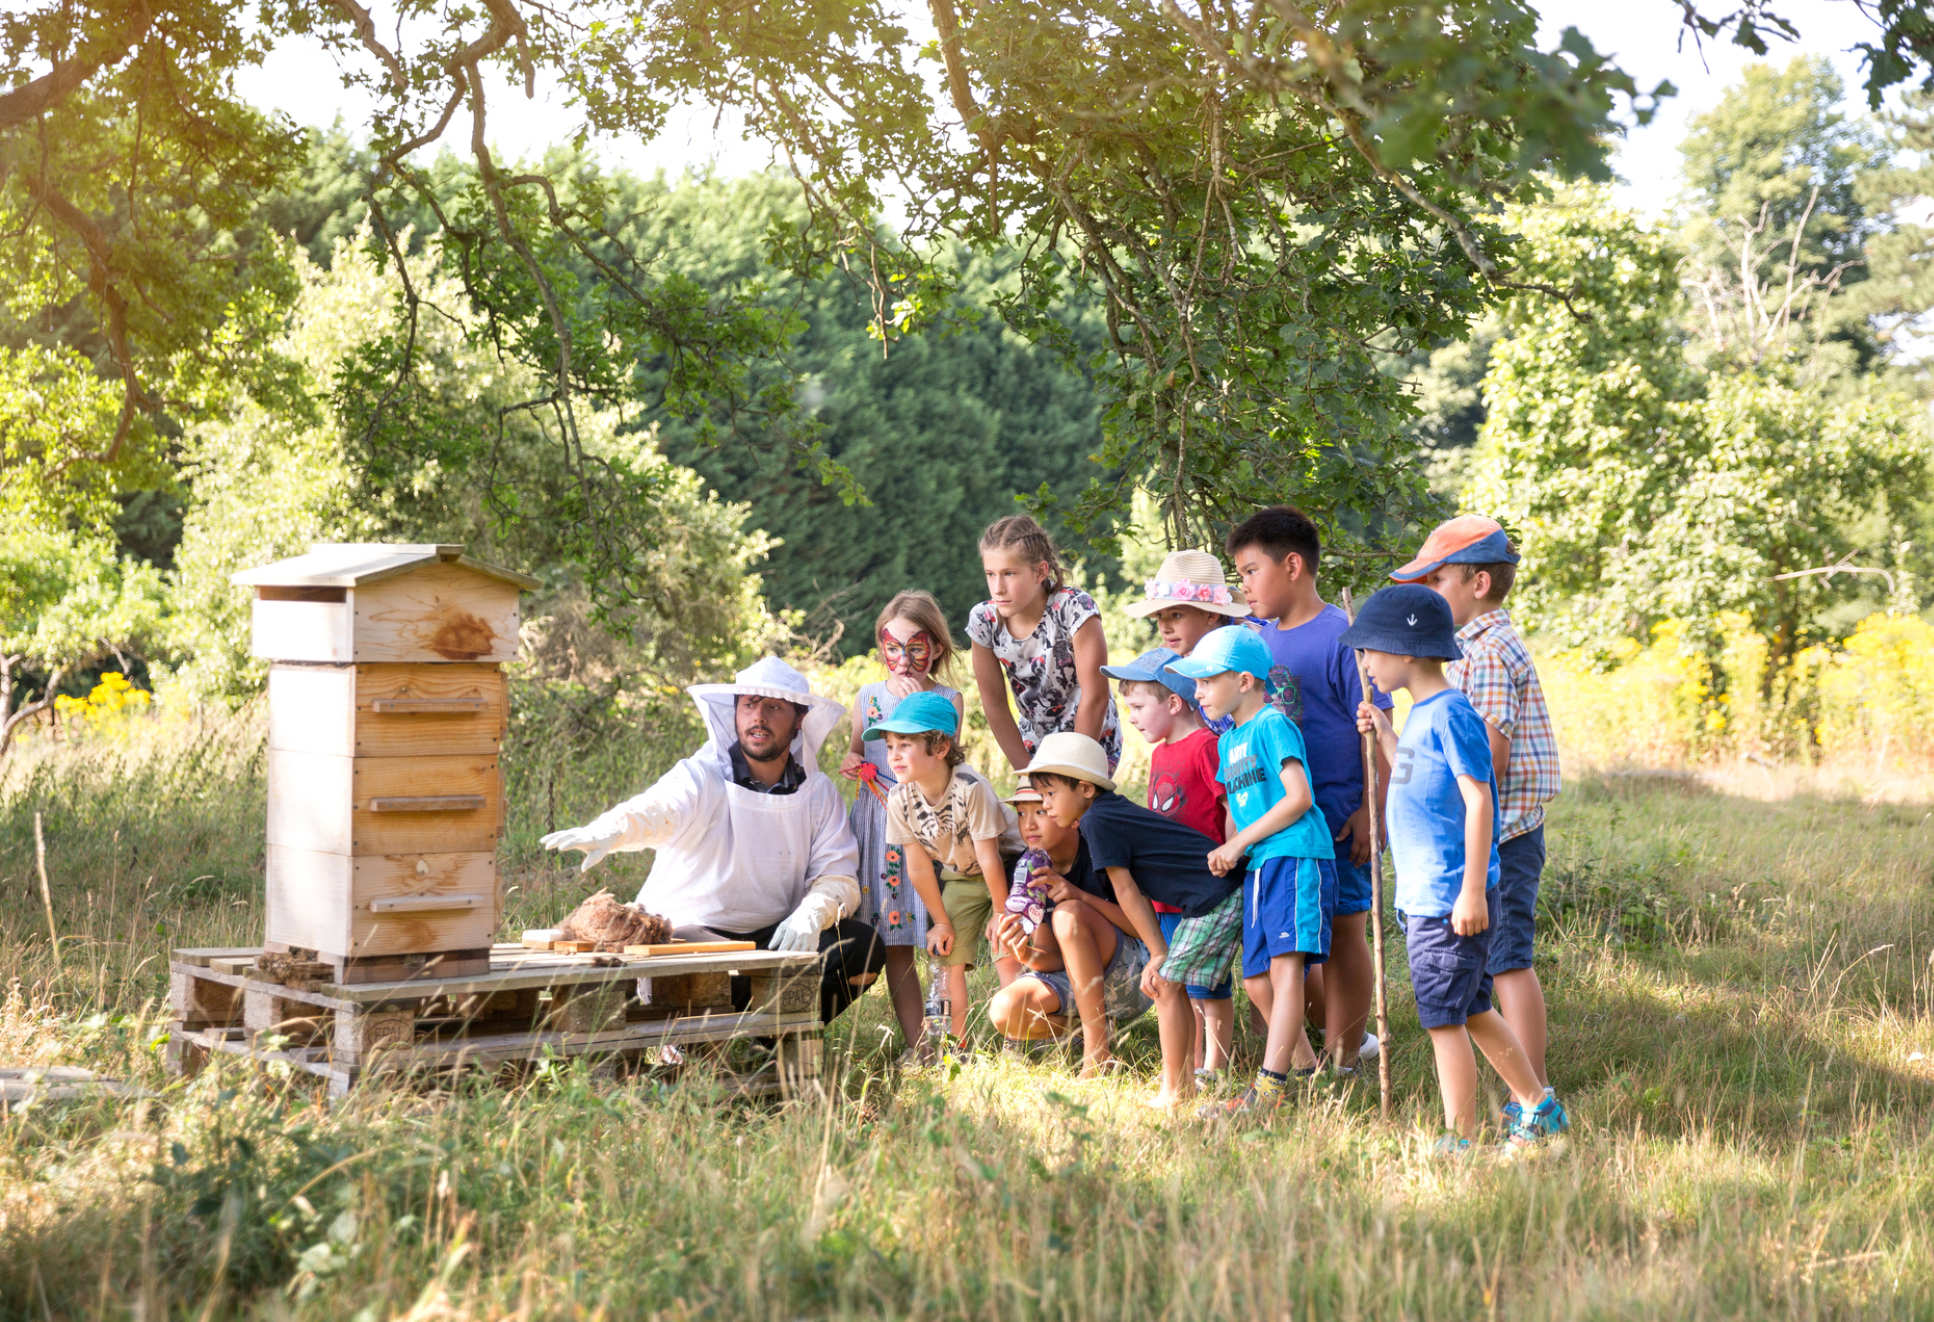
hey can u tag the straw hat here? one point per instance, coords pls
(1072, 754)
(1189, 578)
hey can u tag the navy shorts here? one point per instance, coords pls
(1449, 973)
(1521, 862)
(1352, 883)
(1287, 904)
(1222, 991)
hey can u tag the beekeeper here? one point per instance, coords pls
(751, 836)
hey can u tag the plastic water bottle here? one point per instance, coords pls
(939, 1014)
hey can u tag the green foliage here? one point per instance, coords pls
(1643, 490)
(1899, 260)
(66, 599)
(271, 476)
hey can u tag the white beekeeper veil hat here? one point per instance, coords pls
(768, 677)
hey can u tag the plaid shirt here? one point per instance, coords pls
(1497, 674)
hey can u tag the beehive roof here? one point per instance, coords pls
(349, 564)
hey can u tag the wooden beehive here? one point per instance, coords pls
(387, 706)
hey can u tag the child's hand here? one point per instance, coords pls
(1009, 935)
(850, 766)
(1372, 719)
(1154, 985)
(902, 685)
(1059, 889)
(940, 939)
(1356, 829)
(1470, 915)
(1224, 857)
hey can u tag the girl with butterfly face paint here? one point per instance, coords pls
(916, 647)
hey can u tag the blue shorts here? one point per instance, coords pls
(1286, 909)
(1352, 883)
(1521, 862)
(1448, 972)
(1222, 991)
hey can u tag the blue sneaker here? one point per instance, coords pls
(1547, 1120)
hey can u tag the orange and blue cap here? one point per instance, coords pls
(1468, 539)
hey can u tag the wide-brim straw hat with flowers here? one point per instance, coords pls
(1189, 578)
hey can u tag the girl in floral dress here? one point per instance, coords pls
(1042, 639)
(915, 645)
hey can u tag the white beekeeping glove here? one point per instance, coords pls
(596, 841)
(821, 908)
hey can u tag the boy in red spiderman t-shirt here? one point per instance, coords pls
(1182, 786)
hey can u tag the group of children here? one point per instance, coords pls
(1255, 843)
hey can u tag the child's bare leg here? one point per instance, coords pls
(1288, 1045)
(1261, 999)
(1316, 996)
(1027, 1010)
(1347, 980)
(1500, 1046)
(1007, 968)
(957, 1000)
(1218, 1032)
(1175, 1023)
(1456, 1078)
(903, 985)
(1087, 944)
(1198, 1040)
(1520, 999)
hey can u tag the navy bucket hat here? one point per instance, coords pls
(1407, 619)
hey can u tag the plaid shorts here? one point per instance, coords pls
(1204, 946)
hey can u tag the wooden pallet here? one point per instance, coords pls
(527, 1006)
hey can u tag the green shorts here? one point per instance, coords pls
(969, 906)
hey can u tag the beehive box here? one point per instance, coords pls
(387, 707)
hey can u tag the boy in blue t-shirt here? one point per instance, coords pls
(1443, 834)
(1289, 891)
(1275, 552)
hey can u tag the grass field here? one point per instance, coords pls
(1739, 988)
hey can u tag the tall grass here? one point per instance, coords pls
(1739, 991)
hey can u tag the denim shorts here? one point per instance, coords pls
(1222, 991)
(1449, 973)
(1521, 862)
(1352, 883)
(1287, 904)
(1121, 984)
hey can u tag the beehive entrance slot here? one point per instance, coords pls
(301, 594)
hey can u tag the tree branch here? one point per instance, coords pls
(366, 33)
(47, 697)
(58, 83)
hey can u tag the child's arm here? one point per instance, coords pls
(1470, 914)
(1063, 891)
(940, 928)
(1500, 749)
(1288, 811)
(1141, 915)
(855, 749)
(1090, 655)
(991, 680)
(1372, 719)
(988, 852)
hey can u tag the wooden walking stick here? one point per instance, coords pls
(1376, 880)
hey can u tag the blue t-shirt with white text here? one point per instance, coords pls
(1443, 738)
(1253, 756)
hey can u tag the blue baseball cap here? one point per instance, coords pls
(919, 713)
(1407, 619)
(1468, 539)
(1152, 667)
(1232, 647)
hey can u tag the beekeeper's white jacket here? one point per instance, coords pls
(731, 859)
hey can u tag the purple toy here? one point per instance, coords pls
(1027, 899)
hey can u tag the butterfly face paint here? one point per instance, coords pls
(907, 649)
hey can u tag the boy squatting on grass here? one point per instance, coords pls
(1275, 552)
(1289, 889)
(1145, 855)
(946, 817)
(1082, 959)
(1470, 563)
(1443, 818)
(1182, 786)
